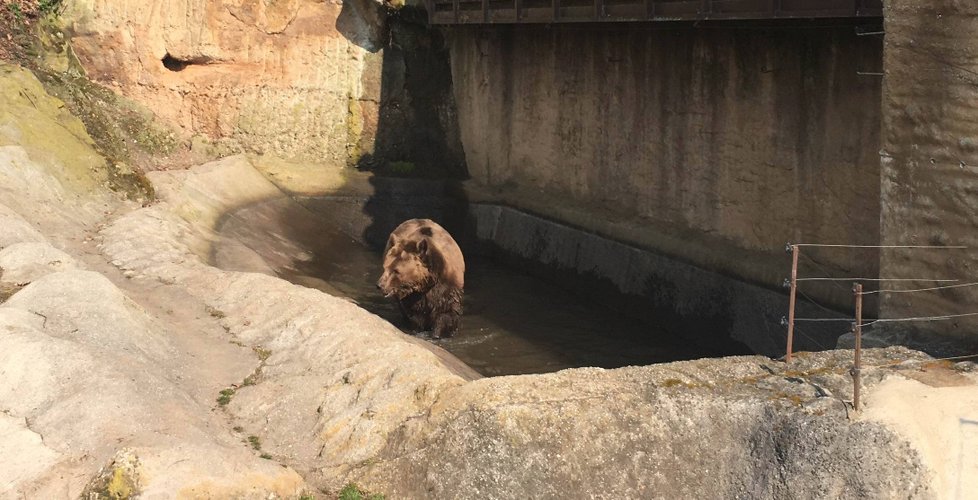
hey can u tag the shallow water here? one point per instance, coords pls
(513, 323)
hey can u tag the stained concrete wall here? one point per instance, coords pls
(718, 314)
(712, 145)
(930, 164)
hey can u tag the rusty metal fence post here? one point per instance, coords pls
(857, 290)
(791, 299)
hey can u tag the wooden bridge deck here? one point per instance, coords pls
(448, 12)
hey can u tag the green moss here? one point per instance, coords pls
(49, 133)
(255, 442)
(120, 486)
(120, 130)
(262, 353)
(225, 397)
(119, 480)
(125, 134)
(401, 167)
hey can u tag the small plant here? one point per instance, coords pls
(353, 492)
(48, 6)
(255, 442)
(238, 428)
(225, 397)
(266, 456)
(213, 311)
(262, 353)
(16, 11)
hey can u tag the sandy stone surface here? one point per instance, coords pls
(941, 423)
(88, 368)
(26, 261)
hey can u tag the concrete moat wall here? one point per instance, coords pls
(713, 145)
(930, 164)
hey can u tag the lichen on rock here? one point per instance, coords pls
(118, 480)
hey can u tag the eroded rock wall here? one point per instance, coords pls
(713, 145)
(269, 77)
(930, 164)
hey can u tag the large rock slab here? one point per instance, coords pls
(91, 372)
(24, 262)
(85, 370)
(743, 427)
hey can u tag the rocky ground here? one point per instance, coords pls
(128, 366)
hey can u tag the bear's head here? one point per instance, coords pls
(410, 266)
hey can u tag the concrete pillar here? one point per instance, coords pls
(929, 168)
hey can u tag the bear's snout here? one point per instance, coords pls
(385, 286)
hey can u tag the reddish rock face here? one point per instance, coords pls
(270, 77)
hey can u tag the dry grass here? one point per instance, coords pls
(16, 17)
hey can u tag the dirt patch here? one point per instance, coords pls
(7, 290)
(938, 374)
(16, 19)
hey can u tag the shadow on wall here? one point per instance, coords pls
(363, 23)
(405, 123)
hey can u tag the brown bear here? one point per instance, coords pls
(425, 271)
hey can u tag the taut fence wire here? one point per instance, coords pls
(857, 322)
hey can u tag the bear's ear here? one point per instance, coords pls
(431, 255)
(391, 241)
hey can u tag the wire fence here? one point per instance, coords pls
(857, 322)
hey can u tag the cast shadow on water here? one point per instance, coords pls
(411, 143)
(514, 323)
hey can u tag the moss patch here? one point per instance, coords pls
(121, 132)
(353, 492)
(118, 480)
(49, 133)
(225, 397)
(99, 135)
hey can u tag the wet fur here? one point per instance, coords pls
(438, 309)
(424, 270)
